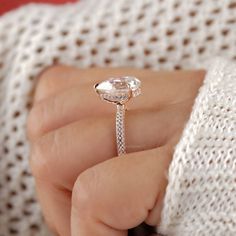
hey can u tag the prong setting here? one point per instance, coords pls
(119, 90)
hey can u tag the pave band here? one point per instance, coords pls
(120, 129)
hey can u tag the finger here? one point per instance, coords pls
(67, 107)
(55, 203)
(106, 202)
(58, 78)
(61, 155)
(55, 79)
(57, 159)
(81, 101)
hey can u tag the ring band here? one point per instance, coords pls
(120, 129)
(119, 91)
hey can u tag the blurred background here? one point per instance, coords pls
(7, 5)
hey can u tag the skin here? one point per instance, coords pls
(83, 188)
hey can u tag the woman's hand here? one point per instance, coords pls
(83, 188)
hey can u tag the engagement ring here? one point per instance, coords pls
(119, 91)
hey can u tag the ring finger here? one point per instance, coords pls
(91, 141)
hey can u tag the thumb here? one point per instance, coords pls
(120, 193)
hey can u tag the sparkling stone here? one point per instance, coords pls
(119, 90)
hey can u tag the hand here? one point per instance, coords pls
(83, 188)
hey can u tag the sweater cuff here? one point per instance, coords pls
(201, 193)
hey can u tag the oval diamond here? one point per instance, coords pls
(119, 90)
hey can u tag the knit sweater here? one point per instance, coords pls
(201, 193)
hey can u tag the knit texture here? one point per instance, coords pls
(153, 34)
(201, 194)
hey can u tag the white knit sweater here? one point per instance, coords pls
(170, 34)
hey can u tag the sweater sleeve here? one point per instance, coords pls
(201, 194)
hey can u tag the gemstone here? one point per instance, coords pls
(119, 90)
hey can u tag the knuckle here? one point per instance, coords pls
(46, 77)
(44, 162)
(34, 122)
(84, 191)
(46, 81)
(39, 160)
(154, 215)
(152, 219)
(40, 116)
